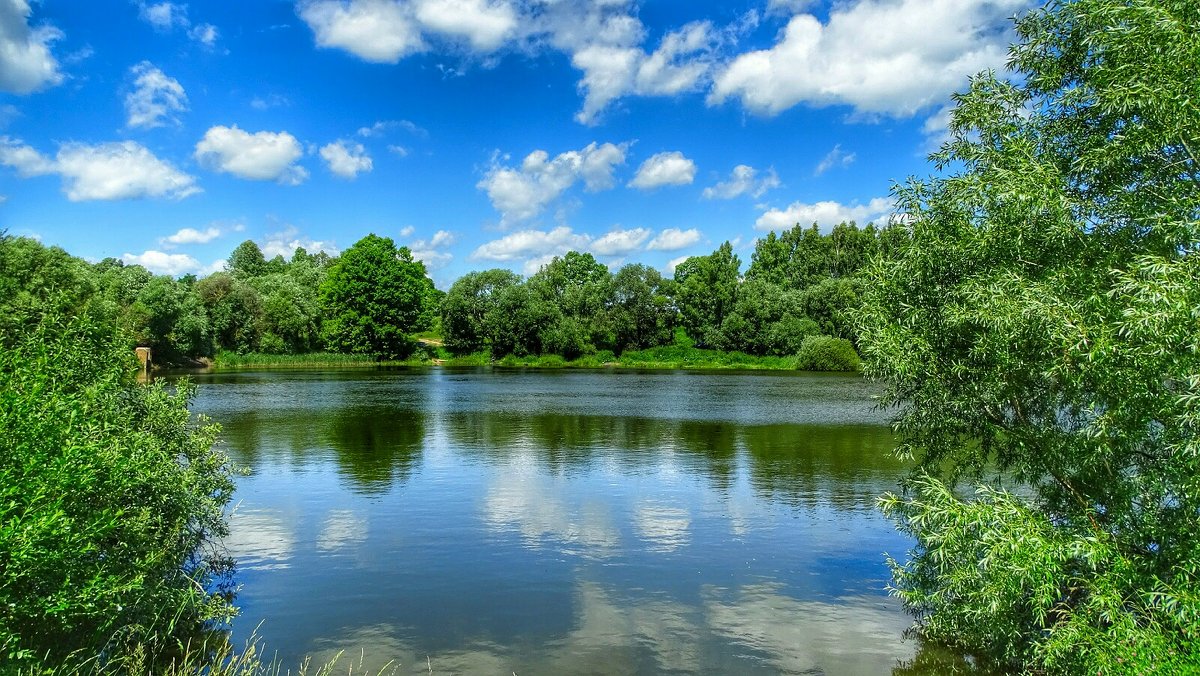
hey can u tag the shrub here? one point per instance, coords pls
(823, 353)
(110, 497)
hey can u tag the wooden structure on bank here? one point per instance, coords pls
(143, 355)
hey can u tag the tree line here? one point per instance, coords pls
(371, 299)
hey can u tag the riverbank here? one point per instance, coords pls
(663, 357)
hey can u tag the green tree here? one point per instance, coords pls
(705, 292)
(111, 495)
(467, 305)
(641, 315)
(1042, 322)
(374, 297)
(247, 260)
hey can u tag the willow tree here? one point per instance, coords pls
(1040, 332)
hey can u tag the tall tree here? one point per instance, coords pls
(247, 260)
(705, 292)
(374, 296)
(467, 305)
(1042, 321)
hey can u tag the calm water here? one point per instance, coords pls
(557, 522)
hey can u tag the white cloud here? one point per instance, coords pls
(618, 242)
(407, 231)
(428, 251)
(743, 180)
(204, 33)
(285, 242)
(673, 239)
(669, 168)
(155, 98)
(603, 39)
(164, 15)
(380, 31)
(262, 156)
(891, 57)
(485, 24)
(26, 64)
(346, 159)
(107, 171)
(167, 16)
(834, 158)
(383, 126)
(520, 193)
(825, 214)
(163, 263)
(530, 243)
(399, 151)
(674, 263)
(191, 236)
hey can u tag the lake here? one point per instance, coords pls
(552, 522)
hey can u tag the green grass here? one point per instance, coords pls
(664, 357)
(233, 360)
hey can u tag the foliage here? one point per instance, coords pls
(110, 495)
(1042, 323)
(706, 290)
(374, 296)
(825, 353)
(469, 304)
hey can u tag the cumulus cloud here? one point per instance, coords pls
(163, 15)
(204, 33)
(346, 159)
(890, 57)
(824, 214)
(535, 248)
(167, 16)
(26, 64)
(619, 242)
(673, 239)
(262, 156)
(602, 39)
(380, 31)
(484, 24)
(674, 263)
(834, 158)
(743, 180)
(669, 168)
(107, 171)
(530, 243)
(163, 263)
(429, 251)
(520, 193)
(192, 236)
(285, 242)
(605, 45)
(155, 98)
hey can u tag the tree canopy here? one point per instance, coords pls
(375, 296)
(1041, 328)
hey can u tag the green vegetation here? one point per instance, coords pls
(1043, 322)
(375, 304)
(110, 491)
(374, 297)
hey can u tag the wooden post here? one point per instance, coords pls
(143, 355)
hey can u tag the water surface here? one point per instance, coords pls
(550, 522)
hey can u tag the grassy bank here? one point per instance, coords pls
(233, 360)
(663, 357)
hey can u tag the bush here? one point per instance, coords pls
(110, 497)
(823, 353)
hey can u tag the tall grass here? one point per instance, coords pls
(233, 360)
(224, 660)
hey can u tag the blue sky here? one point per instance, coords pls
(480, 133)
